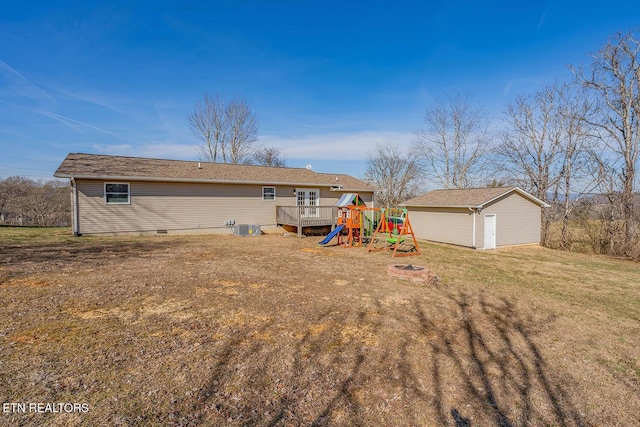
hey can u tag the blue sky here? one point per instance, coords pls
(327, 80)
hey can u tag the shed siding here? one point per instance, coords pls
(517, 221)
(183, 206)
(442, 225)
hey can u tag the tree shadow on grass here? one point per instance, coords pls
(254, 382)
(469, 361)
(52, 255)
(499, 365)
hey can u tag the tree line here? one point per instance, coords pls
(25, 202)
(574, 144)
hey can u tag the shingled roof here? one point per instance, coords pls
(467, 197)
(97, 166)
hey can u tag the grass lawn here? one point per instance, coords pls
(272, 330)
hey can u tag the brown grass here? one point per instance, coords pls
(270, 330)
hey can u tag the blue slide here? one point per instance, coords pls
(331, 235)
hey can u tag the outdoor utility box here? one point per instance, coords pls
(246, 230)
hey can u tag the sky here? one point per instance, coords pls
(328, 80)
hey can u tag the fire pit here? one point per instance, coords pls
(413, 273)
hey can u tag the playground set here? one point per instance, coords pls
(379, 228)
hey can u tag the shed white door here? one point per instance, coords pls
(490, 231)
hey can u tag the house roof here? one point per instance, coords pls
(475, 198)
(96, 166)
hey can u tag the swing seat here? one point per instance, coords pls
(394, 240)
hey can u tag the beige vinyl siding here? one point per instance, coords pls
(183, 206)
(517, 221)
(442, 225)
(175, 206)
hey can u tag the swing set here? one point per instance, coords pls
(379, 228)
(393, 232)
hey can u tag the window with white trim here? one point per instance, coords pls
(116, 193)
(268, 193)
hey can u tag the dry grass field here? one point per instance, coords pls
(276, 331)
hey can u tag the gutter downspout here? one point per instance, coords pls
(75, 216)
(473, 228)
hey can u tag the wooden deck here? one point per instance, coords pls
(306, 216)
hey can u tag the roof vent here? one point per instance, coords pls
(308, 167)
(199, 165)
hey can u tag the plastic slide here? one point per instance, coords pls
(331, 235)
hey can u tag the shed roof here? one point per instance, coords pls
(475, 198)
(97, 166)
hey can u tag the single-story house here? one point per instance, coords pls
(480, 218)
(116, 194)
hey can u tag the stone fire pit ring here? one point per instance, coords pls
(413, 273)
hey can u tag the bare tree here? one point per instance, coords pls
(531, 145)
(207, 123)
(269, 156)
(605, 207)
(531, 148)
(547, 148)
(27, 202)
(11, 190)
(615, 79)
(575, 109)
(395, 173)
(243, 132)
(227, 130)
(453, 146)
(47, 203)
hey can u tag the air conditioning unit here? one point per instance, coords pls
(246, 230)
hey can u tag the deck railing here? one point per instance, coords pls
(306, 216)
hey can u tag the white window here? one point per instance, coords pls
(301, 198)
(116, 193)
(268, 193)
